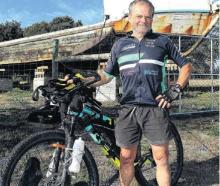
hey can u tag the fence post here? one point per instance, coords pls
(212, 86)
(54, 63)
(180, 97)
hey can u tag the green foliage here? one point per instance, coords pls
(10, 30)
(37, 28)
(61, 23)
(58, 23)
(2, 32)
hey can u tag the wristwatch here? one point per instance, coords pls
(177, 88)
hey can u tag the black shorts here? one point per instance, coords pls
(133, 121)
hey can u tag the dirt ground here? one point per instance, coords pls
(200, 137)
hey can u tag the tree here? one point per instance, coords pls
(37, 28)
(2, 27)
(63, 22)
(78, 23)
(58, 23)
(10, 30)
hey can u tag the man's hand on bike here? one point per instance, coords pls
(164, 100)
(71, 80)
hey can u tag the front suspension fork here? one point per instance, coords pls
(69, 139)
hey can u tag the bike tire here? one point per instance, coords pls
(38, 146)
(176, 169)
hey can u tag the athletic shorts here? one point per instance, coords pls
(133, 121)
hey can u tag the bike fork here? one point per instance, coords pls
(65, 175)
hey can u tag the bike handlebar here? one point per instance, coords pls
(62, 85)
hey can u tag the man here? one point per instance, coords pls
(139, 59)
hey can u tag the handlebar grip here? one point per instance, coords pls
(96, 76)
(89, 83)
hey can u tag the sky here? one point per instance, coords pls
(28, 12)
(89, 12)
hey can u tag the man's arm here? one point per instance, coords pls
(104, 79)
(184, 75)
(183, 79)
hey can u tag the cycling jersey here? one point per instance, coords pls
(139, 64)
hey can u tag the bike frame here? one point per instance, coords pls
(99, 126)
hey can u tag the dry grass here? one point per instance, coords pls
(200, 138)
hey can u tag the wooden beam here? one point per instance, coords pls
(53, 35)
(41, 50)
(89, 57)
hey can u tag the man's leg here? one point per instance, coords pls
(127, 158)
(160, 154)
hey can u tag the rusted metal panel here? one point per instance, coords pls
(174, 23)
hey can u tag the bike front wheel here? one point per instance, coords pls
(39, 160)
(146, 173)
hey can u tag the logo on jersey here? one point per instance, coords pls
(128, 47)
(150, 43)
(151, 72)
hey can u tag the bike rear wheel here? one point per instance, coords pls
(30, 163)
(146, 174)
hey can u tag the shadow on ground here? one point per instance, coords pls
(204, 173)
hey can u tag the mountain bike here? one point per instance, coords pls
(44, 157)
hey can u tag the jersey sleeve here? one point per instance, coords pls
(112, 68)
(174, 54)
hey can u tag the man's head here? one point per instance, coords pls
(141, 16)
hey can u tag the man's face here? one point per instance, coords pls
(141, 18)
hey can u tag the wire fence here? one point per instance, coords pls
(17, 82)
(202, 93)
